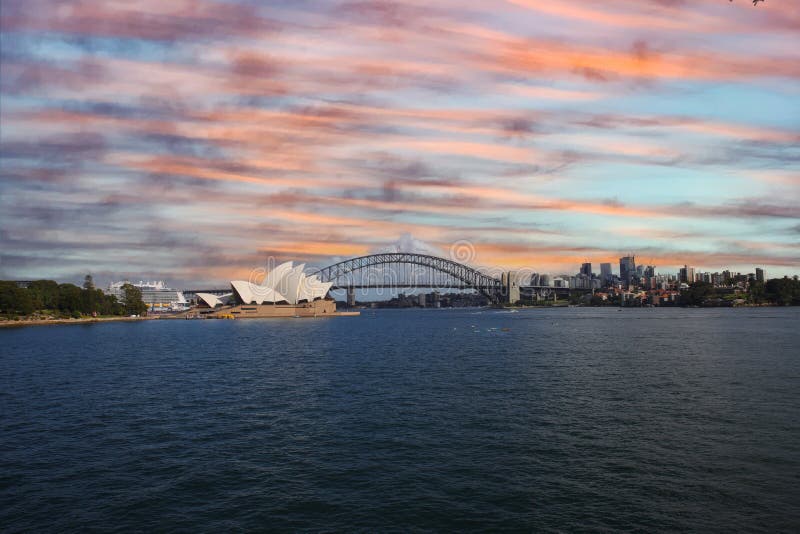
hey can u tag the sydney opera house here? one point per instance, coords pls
(286, 291)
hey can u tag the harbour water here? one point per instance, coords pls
(406, 420)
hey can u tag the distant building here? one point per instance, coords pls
(687, 274)
(627, 269)
(760, 275)
(156, 295)
(586, 269)
(581, 281)
(605, 273)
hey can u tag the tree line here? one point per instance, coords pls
(48, 297)
(778, 291)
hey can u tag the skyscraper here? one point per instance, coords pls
(760, 274)
(586, 269)
(605, 273)
(687, 274)
(627, 268)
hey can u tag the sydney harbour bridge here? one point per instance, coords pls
(396, 270)
(409, 270)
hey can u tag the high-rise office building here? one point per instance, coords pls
(627, 268)
(760, 275)
(687, 274)
(586, 269)
(605, 273)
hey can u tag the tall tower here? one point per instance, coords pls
(510, 286)
(605, 272)
(689, 274)
(627, 268)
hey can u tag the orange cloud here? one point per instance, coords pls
(551, 93)
(471, 149)
(627, 17)
(310, 248)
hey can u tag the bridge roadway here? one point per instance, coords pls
(395, 286)
(440, 286)
(405, 286)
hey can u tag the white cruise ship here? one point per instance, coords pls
(156, 295)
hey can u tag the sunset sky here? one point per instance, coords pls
(187, 140)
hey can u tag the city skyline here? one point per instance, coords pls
(187, 140)
(605, 272)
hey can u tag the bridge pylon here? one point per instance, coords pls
(509, 287)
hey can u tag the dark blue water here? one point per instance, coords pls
(574, 419)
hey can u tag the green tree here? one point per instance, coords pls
(69, 298)
(576, 296)
(757, 292)
(783, 291)
(132, 297)
(7, 297)
(24, 302)
(46, 294)
(15, 300)
(697, 294)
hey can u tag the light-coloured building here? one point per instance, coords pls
(687, 274)
(156, 295)
(286, 284)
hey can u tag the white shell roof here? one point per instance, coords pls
(283, 283)
(214, 300)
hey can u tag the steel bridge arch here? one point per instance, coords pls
(491, 287)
